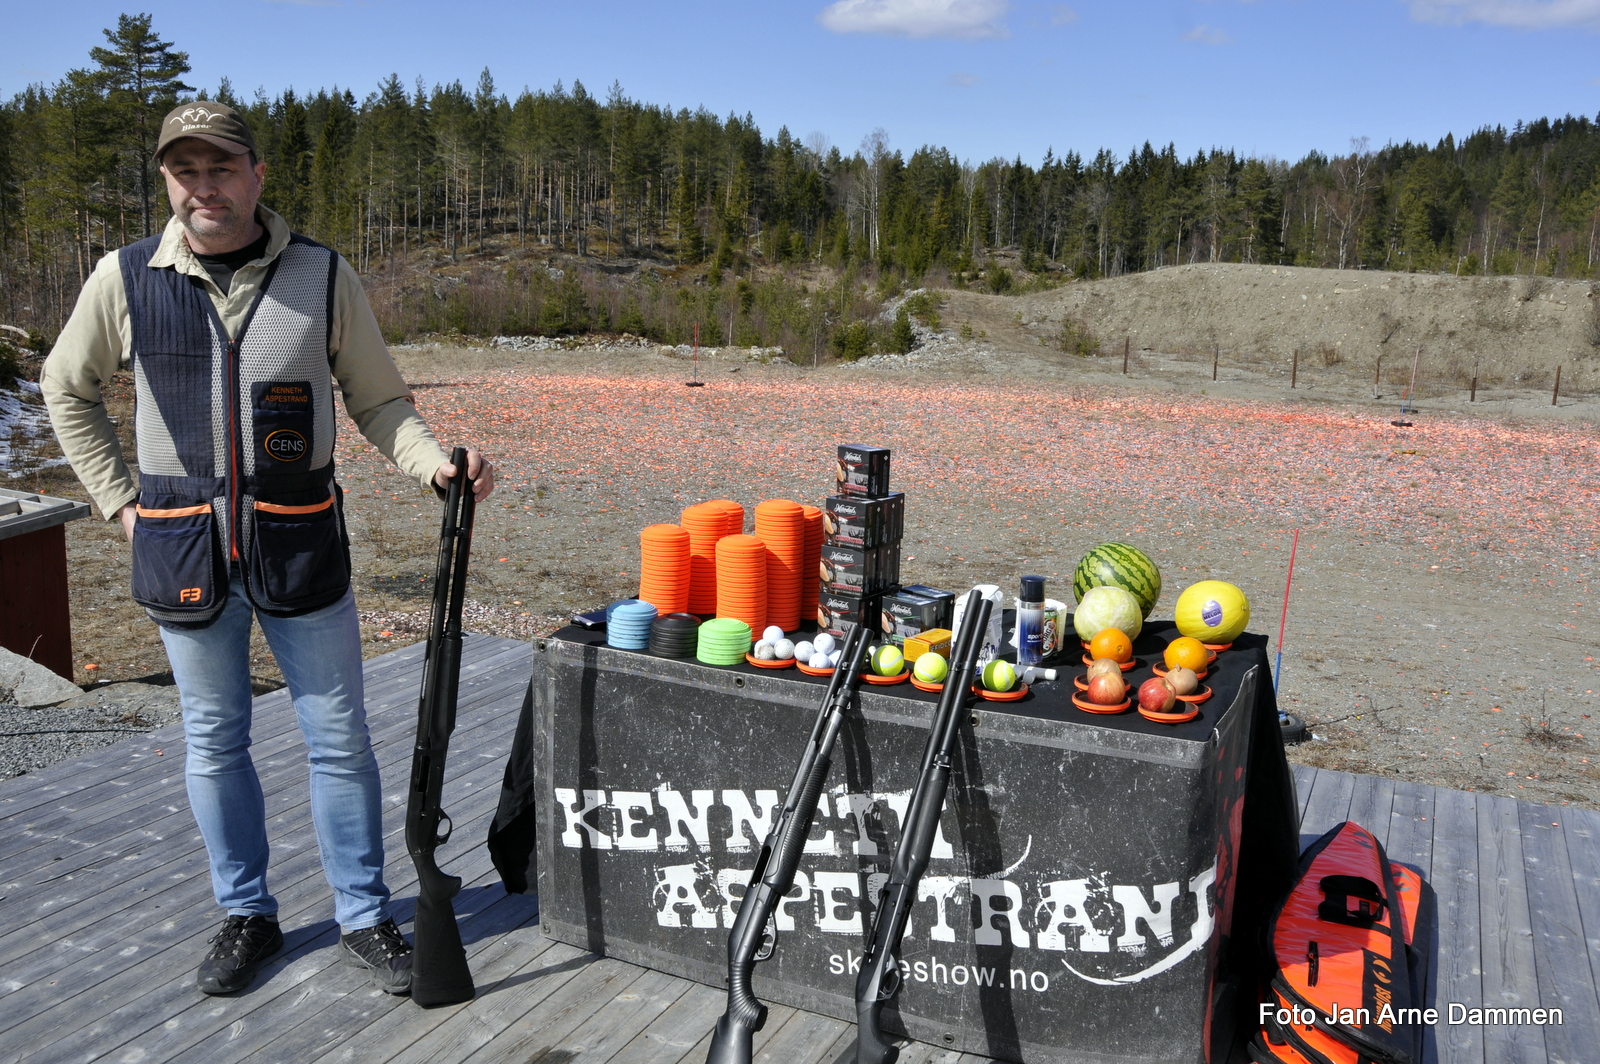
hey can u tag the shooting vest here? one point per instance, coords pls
(235, 440)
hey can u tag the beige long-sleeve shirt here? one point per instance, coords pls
(98, 339)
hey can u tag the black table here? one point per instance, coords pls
(1096, 892)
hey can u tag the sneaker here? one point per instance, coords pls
(238, 951)
(383, 950)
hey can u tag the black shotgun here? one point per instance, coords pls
(754, 933)
(879, 980)
(439, 972)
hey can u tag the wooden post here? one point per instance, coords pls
(1125, 344)
(1556, 391)
(1377, 368)
(1216, 352)
(1473, 398)
(1294, 369)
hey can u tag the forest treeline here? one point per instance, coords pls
(453, 171)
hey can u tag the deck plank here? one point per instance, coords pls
(1458, 965)
(601, 1035)
(1561, 961)
(1582, 829)
(1328, 804)
(1506, 932)
(676, 1031)
(1371, 799)
(1305, 778)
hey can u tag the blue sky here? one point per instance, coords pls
(981, 77)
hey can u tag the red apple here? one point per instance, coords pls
(1157, 696)
(1107, 690)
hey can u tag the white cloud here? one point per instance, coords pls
(1203, 34)
(1063, 15)
(963, 80)
(918, 18)
(1520, 14)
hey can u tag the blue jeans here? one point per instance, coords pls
(320, 656)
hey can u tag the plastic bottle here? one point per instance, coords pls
(1031, 648)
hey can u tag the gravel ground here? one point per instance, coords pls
(32, 739)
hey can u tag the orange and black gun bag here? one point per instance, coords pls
(1349, 976)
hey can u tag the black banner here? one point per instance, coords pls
(1081, 899)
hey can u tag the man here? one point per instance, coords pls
(236, 330)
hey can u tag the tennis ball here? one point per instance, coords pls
(999, 675)
(931, 668)
(887, 660)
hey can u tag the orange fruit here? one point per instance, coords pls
(1186, 651)
(1113, 643)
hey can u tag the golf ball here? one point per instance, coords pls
(824, 643)
(804, 651)
(772, 633)
(833, 658)
(819, 660)
(764, 651)
(783, 650)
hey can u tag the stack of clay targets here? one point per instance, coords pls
(733, 514)
(811, 565)
(780, 524)
(675, 635)
(628, 625)
(706, 522)
(664, 570)
(742, 580)
(723, 641)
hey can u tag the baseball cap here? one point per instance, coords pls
(215, 123)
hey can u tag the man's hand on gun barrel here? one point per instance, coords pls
(479, 471)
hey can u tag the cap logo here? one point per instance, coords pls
(195, 118)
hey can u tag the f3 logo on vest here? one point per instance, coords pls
(281, 412)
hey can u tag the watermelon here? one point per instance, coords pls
(1119, 565)
(1108, 607)
(1212, 611)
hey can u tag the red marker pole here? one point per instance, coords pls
(1277, 667)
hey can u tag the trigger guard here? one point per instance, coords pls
(769, 940)
(442, 834)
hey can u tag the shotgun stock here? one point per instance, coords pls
(879, 979)
(439, 972)
(754, 934)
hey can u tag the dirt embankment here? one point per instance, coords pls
(1514, 331)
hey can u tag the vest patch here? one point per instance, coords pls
(286, 445)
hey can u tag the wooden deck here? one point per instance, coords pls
(105, 909)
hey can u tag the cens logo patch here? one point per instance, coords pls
(286, 445)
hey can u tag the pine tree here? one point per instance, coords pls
(288, 179)
(141, 75)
